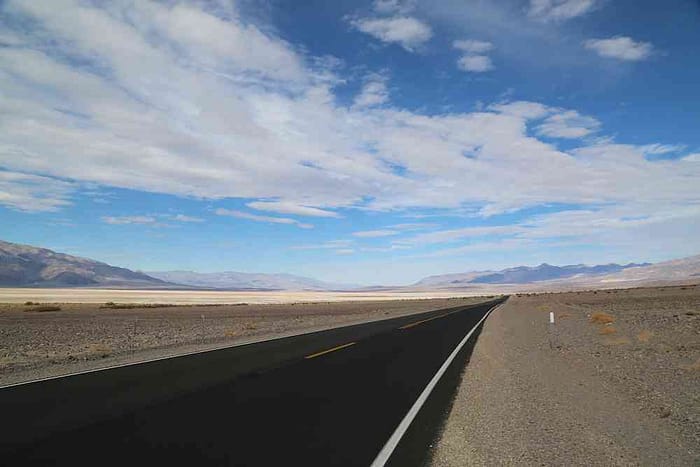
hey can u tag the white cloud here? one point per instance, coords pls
(472, 46)
(33, 193)
(659, 149)
(558, 10)
(621, 48)
(692, 157)
(475, 63)
(374, 92)
(568, 124)
(393, 6)
(286, 207)
(125, 220)
(451, 235)
(474, 60)
(329, 245)
(146, 104)
(407, 226)
(375, 233)
(522, 109)
(406, 31)
(184, 218)
(257, 218)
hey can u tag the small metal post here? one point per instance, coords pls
(549, 329)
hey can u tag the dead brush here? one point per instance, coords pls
(44, 308)
(600, 317)
(644, 336)
(608, 330)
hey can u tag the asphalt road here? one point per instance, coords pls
(327, 398)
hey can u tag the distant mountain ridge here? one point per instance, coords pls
(525, 274)
(233, 280)
(27, 266)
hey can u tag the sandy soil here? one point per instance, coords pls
(36, 344)
(199, 297)
(582, 391)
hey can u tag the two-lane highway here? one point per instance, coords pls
(335, 397)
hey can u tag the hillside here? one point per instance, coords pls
(523, 275)
(28, 266)
(231, 280)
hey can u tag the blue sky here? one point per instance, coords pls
(368, 142)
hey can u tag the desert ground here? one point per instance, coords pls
(613, 382)
(48, 338)
(199, 297)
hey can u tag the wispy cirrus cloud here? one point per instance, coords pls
(126, 220)
(257, 218)
(287, 207)
(34, 193)
(560, 10)
(375, 233)
(185, 218)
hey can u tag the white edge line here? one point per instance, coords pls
(194, 352)
(395, 438)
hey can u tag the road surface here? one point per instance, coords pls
(327, 398)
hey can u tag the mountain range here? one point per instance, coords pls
(524, 274)
(233, 280)
(29, 266)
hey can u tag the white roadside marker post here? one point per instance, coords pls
(549, 329)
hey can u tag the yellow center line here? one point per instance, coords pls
(318, 354)
(410, 325)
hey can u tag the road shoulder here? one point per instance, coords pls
(577, 402)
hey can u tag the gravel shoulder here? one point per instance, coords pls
(582, 391)
(82, 336)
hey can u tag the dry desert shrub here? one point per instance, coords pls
(103, 350)
(607, 330)
(601, 317)
(131, 306)
(44, 308)
(231, 333)
(644, 336)
(694, 367)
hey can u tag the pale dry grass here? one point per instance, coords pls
(644, 336)
(693, 366)
(99, 348)
(607, 330)
(600, 317)
(621, 340)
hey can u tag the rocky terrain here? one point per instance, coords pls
(613, 382)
